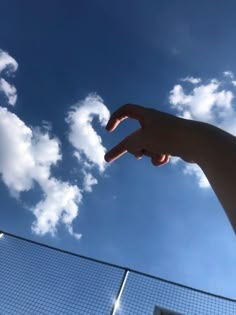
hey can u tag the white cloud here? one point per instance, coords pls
(89, 181)
(85, 140)
(76, 235)
(9, 91)
(207, 102)
(228, 74)
(16, 159)
(89, 150)
(60, 205)
(194, 169)
(9, 65)
(191, 80)
(203, 102)
(174, 160)
(7, 62)
(26, 157)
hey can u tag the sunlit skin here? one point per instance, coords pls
(162, 135)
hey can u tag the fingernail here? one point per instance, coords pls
(106, 158)
(160, 157)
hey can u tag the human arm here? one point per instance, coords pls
(162, 135)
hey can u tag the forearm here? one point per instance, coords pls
(216, 155)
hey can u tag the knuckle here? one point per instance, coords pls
(126, 107)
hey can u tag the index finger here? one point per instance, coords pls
(125, 111)
(116, 152)
(131, 144)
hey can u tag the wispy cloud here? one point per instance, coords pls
(89, 181)
(8, 67)
(88, 148)
(228, 74)
(83, 137)
(191, 80)
(210, 102)
(194, 169)
(9, 91)
(7, 62)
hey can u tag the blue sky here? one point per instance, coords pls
(65, 66)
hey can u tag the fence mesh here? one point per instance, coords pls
(37, 279)
(142, 293)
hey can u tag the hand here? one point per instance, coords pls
(160, 135)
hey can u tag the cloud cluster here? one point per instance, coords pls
(208, 101)
(8, 66)
(27, 159)
(28, 155)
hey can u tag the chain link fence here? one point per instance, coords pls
(38, 279)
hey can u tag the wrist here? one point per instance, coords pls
(194, 140)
